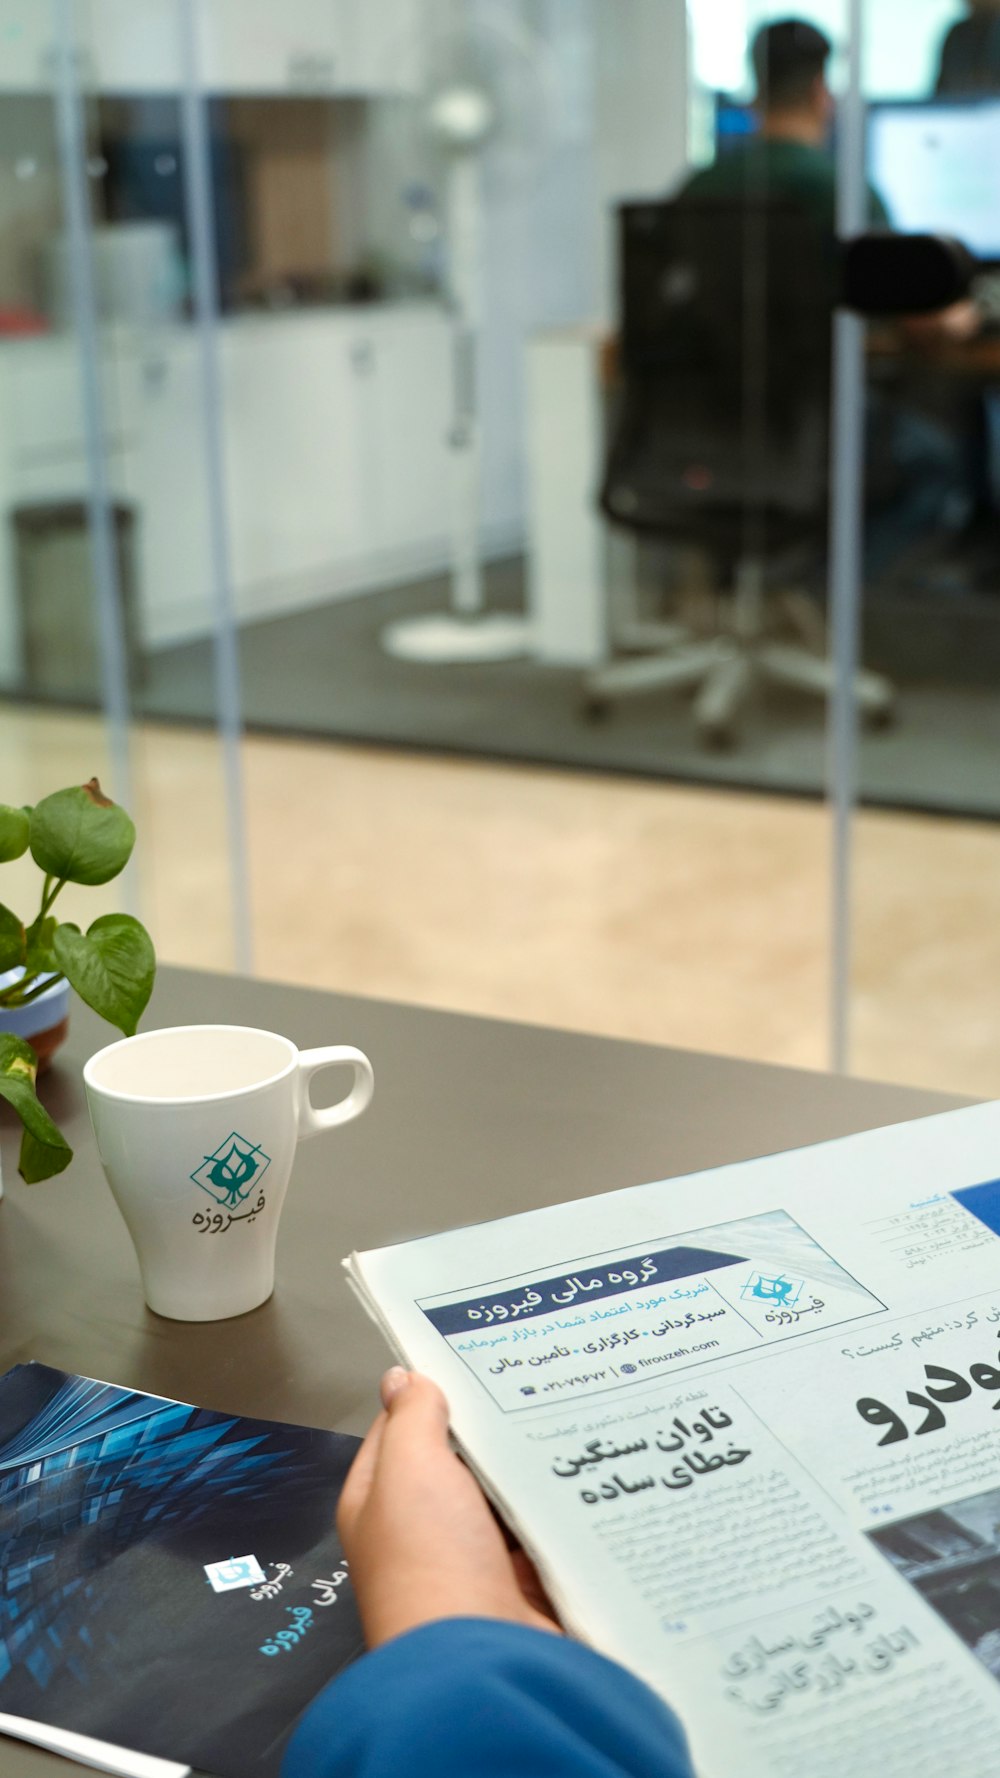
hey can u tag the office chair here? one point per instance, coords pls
(721, 441)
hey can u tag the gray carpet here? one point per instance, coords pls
(323, 672)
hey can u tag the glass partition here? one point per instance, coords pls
(105, 465)
(324, 410)
(916, 557)
(336, 291)
(925, 887)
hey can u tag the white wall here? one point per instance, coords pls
(901, 39)
(597, 114)
(641, 49)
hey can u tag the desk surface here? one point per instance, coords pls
(471, 1119)
(977, 360)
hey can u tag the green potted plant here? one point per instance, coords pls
(74, 836)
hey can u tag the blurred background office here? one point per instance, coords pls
(434, 666)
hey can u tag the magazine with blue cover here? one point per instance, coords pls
(170, 1577)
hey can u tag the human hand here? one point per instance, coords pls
(419, 1537)
(959, 322)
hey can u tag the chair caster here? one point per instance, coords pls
(720, 737)
(881, 717)
(594, 708)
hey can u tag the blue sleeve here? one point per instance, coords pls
(475, 1698)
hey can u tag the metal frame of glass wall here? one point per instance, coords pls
(70, 62)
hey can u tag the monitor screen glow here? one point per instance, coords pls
(937, 169)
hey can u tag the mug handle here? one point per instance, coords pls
(312, 1119)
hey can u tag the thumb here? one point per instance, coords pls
(393, 1381)
(416, 1410)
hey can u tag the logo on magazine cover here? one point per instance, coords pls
(235, 1571)
(230, 1173)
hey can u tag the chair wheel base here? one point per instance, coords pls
(883, 717)
(719, 736)
(594, 708)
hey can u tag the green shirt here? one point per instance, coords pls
(788, 172)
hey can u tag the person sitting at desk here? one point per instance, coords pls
(969, 67)
(789, 161)
(467, 1671)
(789, 158)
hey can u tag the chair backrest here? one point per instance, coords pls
(726, 314)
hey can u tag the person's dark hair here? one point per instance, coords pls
(788, 57)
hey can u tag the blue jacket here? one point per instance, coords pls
(475, 1698)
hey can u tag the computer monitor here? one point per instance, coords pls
(937, 169)
(735, 120)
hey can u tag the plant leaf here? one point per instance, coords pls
(112, 966)
(11, 939)
(39, 956)
(79, 836)
(44, 1149)
(13, 833)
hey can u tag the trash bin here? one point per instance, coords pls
(57, 598)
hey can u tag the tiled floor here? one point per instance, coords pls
(637, 909)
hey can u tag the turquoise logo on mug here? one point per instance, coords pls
(231, 1173)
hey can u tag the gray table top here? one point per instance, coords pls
(472, 1118)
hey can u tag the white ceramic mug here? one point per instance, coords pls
(197, 1127)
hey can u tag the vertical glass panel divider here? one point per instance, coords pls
(113, 665)
(205, 292)
(846, 558)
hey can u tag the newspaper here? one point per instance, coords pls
(747, 1423)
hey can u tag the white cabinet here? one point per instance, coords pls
(27, 41)
(172, 488)
(134, 46)
(43, 397)
(294, 472)
(408, 416)
(336, 464)
(242, 46)
(336, 450)
(337, 472)
(276, 440)
(118, 45)
(383, 44)
(310, 46)
(271, 46)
